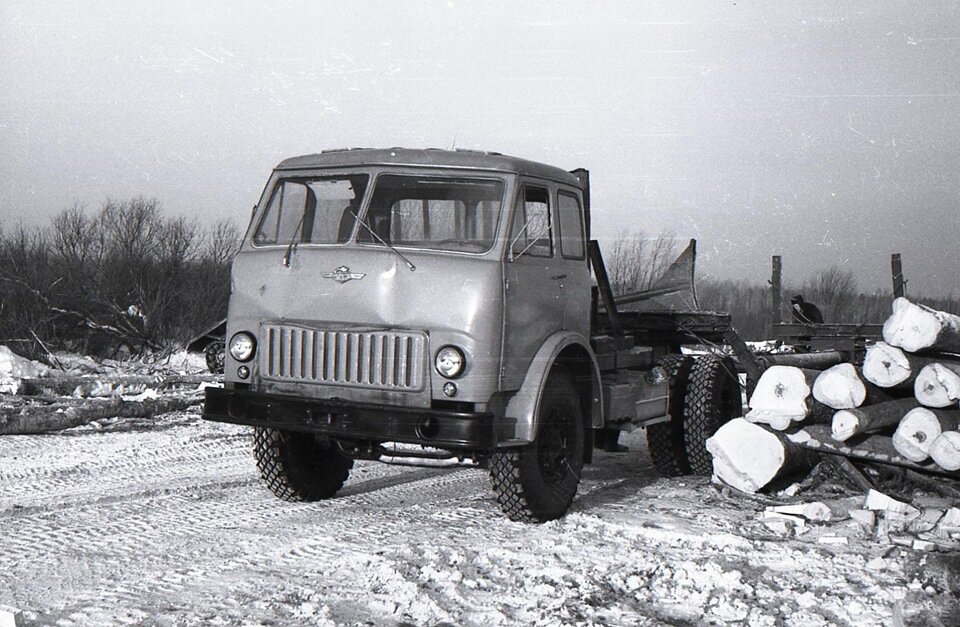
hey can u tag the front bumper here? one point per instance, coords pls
(352, 421)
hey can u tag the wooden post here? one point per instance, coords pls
(899, 283)
(776, 298)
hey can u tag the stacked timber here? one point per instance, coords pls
(902, 406)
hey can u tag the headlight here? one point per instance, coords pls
(450, 362)
(242, 346)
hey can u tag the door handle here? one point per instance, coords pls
(557, 277)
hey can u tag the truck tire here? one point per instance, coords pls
(537, 482)
(296, 467)
(712, 399)
(665, 441)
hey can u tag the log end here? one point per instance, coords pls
(885, 366)
(937, 386)
(945, 450)
(745, 455)
(911, 327)
(840, 387)
(845, 425)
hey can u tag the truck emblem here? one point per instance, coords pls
(342, 275)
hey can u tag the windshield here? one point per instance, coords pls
(458, 214)
(318, 210)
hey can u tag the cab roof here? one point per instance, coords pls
(428, 157)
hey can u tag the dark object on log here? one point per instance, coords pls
(805, 312)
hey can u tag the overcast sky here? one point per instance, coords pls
(827, 132)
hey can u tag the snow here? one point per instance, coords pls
(13, 368)
(165, 521)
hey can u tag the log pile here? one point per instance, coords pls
(901, 406)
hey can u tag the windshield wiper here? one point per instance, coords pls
(292, 246)
(382, 241)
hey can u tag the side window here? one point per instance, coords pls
(531, 232)
(571, 226)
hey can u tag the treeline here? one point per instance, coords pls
(833, 290)
(122, 278)
(635, 262)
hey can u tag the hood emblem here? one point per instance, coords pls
(342, 274)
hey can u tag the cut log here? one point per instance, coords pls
(783, 396)
(45, 418)
(749, 457)
(919, 428)
(945, 450)
(109, 386)
(889, 367)
(850, 422)
(938, 385)
(841, 387)
(915, 327)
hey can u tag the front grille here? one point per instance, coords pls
(374, 359)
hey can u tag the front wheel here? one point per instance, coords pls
(537, 482)
(298, 467)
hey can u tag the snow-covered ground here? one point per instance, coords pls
(164, 522)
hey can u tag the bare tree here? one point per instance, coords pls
(637, 261)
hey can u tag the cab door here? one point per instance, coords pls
(533, 307)
(571, 262)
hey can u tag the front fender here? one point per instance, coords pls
(522, 408)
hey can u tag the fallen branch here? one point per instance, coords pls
(36, 419)
(99, 385)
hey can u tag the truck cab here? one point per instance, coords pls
(427, 304)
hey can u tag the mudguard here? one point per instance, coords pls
(522, 407)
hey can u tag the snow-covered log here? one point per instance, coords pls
(945, 450)
(749, 457)
(915, 327)
(841, 387)
(847, 423)
(109, 385)
(45, 418)
(918, 430)
(938, 385)
(784, 396)
(887, 366)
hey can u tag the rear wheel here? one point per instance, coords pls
(537, 482)
(665, 440)
(712, 399)
(297, 467)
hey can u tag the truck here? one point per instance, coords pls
(450, 307)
